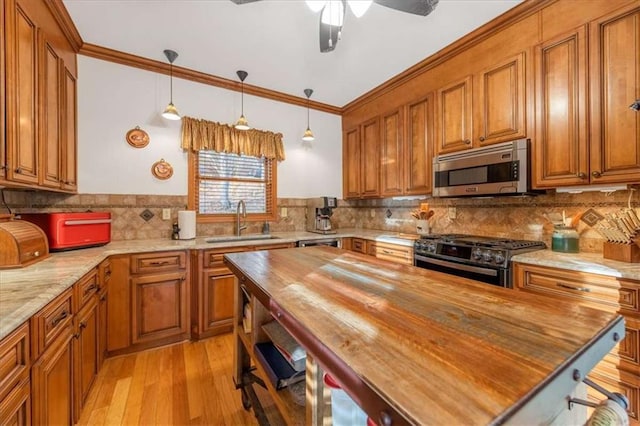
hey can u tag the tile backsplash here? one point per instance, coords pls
(509, 217)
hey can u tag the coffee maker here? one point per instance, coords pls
(319, 213)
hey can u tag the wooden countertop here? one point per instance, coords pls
(439, 349)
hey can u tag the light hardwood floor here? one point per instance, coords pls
(186, 383)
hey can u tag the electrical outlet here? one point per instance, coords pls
(283, 212)
(166, 214)
(373, 213)
(452, 213)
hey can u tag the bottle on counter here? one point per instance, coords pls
(565, 239)
(265, 228)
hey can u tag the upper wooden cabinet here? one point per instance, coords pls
(360, 161)
(391, 154)
(578, 142)
(38, 148)
(418, 147)
(482, 109)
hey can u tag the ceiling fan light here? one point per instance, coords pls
(359, 7)
(308, 135)
(316, 5)
(242, 123)
(333, 13)
(171, 112)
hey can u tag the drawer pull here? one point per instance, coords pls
(387, 252)
(93, 286)
(59, 318)
(570, 287)
(159, 262)
(103, 297)
(83, 324)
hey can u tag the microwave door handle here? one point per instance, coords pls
(86, 222)
(461, 266)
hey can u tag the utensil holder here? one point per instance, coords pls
(629, 253)
(422, 227)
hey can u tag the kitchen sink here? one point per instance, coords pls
(230, 239)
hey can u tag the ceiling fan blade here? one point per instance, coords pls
(328, 32)
(243, 1)
(416, 7)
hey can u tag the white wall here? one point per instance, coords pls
(112, 99)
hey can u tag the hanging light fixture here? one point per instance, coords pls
(171, 112)
(242, 123)
(308, 134)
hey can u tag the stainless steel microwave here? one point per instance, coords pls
(501, 169)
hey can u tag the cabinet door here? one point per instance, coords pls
(85, 353)
(419, 147)
(454, 118)
(51, 378)
(391, 170)
(3, 96)
(22, 141)
(351, 163)
(159, 306)
(103, 305)
(500, 108)
(560, 149)
(15, 409)
(615, 84)
(69, 146)
(119, 307)
(370, 159)
(50, 116)
(217, 297)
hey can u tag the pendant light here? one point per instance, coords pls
(242, 123)
(308, 134)
(171, 112)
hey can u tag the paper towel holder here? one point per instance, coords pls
(186, 224)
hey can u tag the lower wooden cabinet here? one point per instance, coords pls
(15, 408)
(619, 371)
(85, 353)
(359, 245)
(52, 385)
(159, 307)
(103, 306)
(393, 252)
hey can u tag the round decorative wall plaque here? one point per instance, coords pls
(162, 170)
(137, 138)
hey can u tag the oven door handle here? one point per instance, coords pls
(461, 266)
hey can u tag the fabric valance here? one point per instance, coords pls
(200, 135)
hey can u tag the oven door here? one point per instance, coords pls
(333, 242)
(498, 277)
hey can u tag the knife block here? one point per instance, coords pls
(629, 253)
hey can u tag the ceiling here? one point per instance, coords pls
(276, 41)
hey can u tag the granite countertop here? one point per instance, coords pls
(24, 291)
(592, 263)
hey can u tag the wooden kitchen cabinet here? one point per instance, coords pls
(391, 154)
(15, 408)
(418, 147)
(3, 97)
(85, 353)
(104, 277)
(15, 387)
(619, 371)
(454, 116)
(393, 252)
(361, 160)
(585, 81)
(39, 99)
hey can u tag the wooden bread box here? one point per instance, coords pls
(21, 243)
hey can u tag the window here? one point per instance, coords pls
(218, 181)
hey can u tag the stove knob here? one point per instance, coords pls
(499, 258)
(431, 247)
(487, 256)
(477, 254)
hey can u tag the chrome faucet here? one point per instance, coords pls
(241, 209)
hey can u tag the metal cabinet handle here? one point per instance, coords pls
(481, 138)
(59, 318)
(467, 141)
(83, 324)
(18, 170)
(596, 174)
(103, 297)
(90, 288)
(582, 175)
(387, 252)
(160, 262)
(570, 287)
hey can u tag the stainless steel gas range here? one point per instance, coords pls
(480, 258)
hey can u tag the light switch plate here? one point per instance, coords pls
(283, 212)
(166, 214)
(452, 213)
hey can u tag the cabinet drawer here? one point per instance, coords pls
(86, 288)
(213, 257)
(596, 290)
(358, 245)
(390, 252)
(626, 354)
(14, 359)
(15, 409)
(51, 321)
(273, 246)
(158, 262)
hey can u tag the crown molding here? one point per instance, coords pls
(62, 17)
(116, 56)
(511, 16)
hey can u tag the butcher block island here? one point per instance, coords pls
(415, 346)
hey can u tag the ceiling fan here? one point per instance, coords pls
(333, 11)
